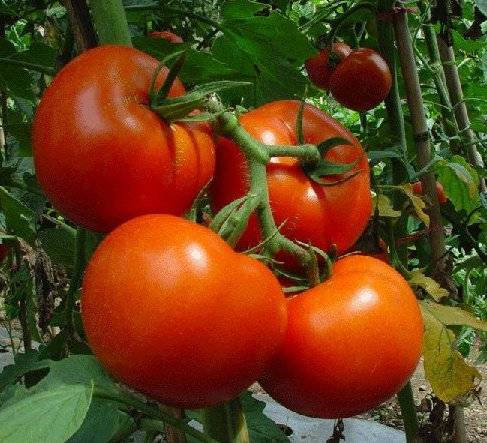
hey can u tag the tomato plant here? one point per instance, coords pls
(102, 156)
(167, 35)
(321, 66)
(352, 342)
(440, 192)
(361, 81)
(307, 210)
(200, 322)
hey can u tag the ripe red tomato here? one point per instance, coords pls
(361, 81)
(320, 67)
(320, 215)
(4, 250)
(440, 192)
(352, 342)
(102, 156)
(167, 35)
(171, 310)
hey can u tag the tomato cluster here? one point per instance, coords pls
(358, 79)
(167, 306)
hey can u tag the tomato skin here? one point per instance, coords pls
(171, 310)
(309, 212)
(102, 156)
(318, 67)
(440, 192)
(361, 81)
(167, 35)
(4, 251)
(352, 342)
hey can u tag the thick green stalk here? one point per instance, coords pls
(110, 22)
(230, 414)
(408, 412)
(395, 116)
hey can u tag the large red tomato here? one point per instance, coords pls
(102, 156)
(361, 81)
(171, 310)
(321, 215)
(320, 67)
(352, 342)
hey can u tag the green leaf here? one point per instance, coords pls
(454, 316)
(261, 428)
(20, 218)
(467, 45)
(103, 423)
(24, 363)
(235, 9)
(52, 416)
(460, 182)
(450, 376)
(59, 244)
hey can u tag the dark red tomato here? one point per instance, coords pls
(440, 192)
(361, 81)
(320, 215)
(102, 156)
(172, 311)
(352, 342)
(320, 67)
(167, 35)
(4, 250)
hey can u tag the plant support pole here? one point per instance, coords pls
(421, 136)
(454, 86)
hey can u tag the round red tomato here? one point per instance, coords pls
(361, 81)
(167, 35)
(172, 311)
(102, 156)
(309, 212)
(352, 342)
(440, 192)
(320, 67)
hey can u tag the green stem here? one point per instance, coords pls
(337, 24)
(31, 66)
(408, 412)
(231, 415)
(78, 268)
(305, 152)
(157, 418)
(110, 22)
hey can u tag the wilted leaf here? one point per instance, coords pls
(454, 316)
(384, 206)
(432, 287)
(418, 204)
(450, 376)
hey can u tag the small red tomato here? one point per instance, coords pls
(172, 311)
(361, 81)
(321, 66)
(351, 343)
(440, 192)
(166, 35)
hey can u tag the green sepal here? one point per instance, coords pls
(330, 143)
(179, 107)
